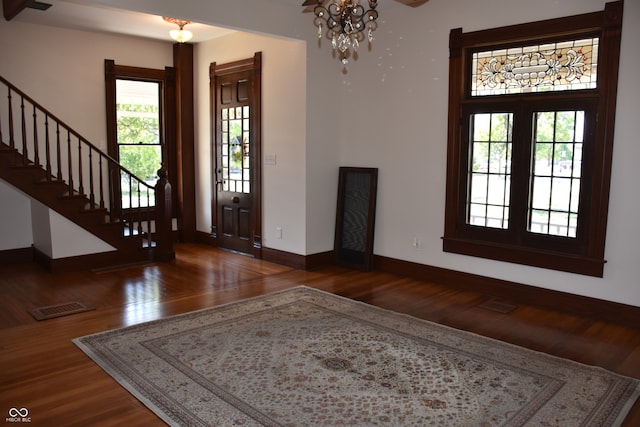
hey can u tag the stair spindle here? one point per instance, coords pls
(130, 210)
(1, 138)
(80, 174)
(12, 142)
(69, 162)
(92, 197)
(148, 214)
(47, 147)
(58, 156)
(25, 152)
(36, 145)
(101, 182)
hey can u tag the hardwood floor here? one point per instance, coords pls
(43, 371)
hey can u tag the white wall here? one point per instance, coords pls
(389, 111)
(15, 226)
(57, 237)
(284, 103)
(403, 83)
(64, 69)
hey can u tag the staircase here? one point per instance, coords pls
(50, 162)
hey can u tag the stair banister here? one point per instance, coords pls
(84, 166)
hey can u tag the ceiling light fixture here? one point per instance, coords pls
(181, 35)
(346, 23)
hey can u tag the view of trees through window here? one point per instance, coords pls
(138, 136)
(530, 140)
(556, 158)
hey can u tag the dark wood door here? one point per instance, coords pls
(235, 91)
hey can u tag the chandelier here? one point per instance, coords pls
(347, 24)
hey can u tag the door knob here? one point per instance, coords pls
(235, 199)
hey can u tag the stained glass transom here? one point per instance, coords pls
(570, 65)
(236, 172)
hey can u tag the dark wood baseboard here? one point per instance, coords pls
(16, 256)
(103, 260)
(302, 262)
(205, 238)
(284, 258)
(319, 260)
(514, 292)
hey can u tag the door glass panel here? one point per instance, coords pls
(138, 138)
(236, 150)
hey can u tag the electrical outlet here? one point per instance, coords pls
(278, 232)
(416, 242)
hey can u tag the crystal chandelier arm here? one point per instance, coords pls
(346, 21)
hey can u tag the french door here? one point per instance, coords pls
(235, 94)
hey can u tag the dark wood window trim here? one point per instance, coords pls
(585, 253)
(166, 77)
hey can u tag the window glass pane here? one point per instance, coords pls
(477, 214)
(479, 186)
(138, 137)
(138, 112)
(569, 65)
(490, 171)
(480, 157)
(555, 179)
(481, 127)
(545, 127)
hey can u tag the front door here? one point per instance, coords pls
(235, 93)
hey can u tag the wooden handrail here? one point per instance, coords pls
(87, 170)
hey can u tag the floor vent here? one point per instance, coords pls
(498, 306)
(58, 310)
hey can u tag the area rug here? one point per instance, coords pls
(304, 357)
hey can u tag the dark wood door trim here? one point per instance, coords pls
(185, 141)
(254, 65)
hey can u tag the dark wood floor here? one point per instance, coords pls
(43, 371)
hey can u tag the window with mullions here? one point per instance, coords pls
(530, 140)
(138, 137)
(556, 174)
(490, 176)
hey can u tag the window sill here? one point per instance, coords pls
(561, 261)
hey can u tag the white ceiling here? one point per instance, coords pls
(89, 16)
(81, 15)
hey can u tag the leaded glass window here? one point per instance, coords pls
(490, 170)
(530, 140)
(236, 172)
(569, 65)
(556, 172)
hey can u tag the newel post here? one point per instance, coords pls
(164, 229)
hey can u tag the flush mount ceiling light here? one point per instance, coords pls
(347, 22)
(181, 35)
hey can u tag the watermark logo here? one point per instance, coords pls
(18, 415)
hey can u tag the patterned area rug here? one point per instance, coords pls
(304, 357)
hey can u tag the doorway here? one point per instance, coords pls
(235, 90)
